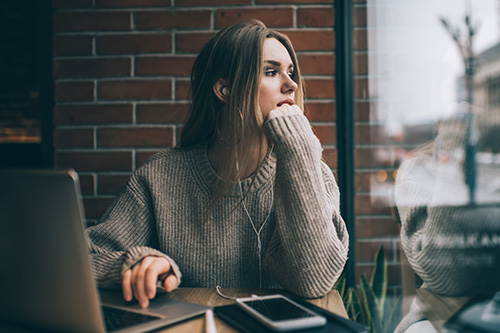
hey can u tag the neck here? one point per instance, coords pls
(218, 154)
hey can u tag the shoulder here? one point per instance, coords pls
(167, 158)
(166, 164)
(327, 173)
(416, 167)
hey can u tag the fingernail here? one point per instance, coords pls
(170, 285)
(144, 304)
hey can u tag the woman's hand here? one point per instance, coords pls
(139, 282)
(284, 109)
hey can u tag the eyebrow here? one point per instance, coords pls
(277, 63)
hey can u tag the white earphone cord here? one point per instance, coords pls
(259, 243)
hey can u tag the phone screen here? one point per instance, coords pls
(278, 309)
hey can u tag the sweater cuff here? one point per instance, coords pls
(290, 130)
(136, 254)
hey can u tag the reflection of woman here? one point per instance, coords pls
(453, 246)
(244, 200)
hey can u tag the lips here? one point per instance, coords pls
(288, 101)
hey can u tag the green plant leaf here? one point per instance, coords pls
(348, 305)
(371, 306)
(351, 311)
(394, 314)
(340, 286)
(355, 304)
(379, 280)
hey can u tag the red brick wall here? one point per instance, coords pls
(121, 72)
(374, 225)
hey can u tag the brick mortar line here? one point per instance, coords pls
(174, 141)
(213, 20)
(317, 76)
(105, 173)
(133, 160)
(95, 184)
(94, 46)
(316, 52)
(370, 263)
(364, 76)
(111, 103)
(108, 150)
(161, 55)
(312, 99)
(376, 239)
(170, 101)
(364, 100)
(132, 21)
(133, 59)
(318, 100)
(95, 92)
(364, 171)
(98, 196)
(369, 122)
(173, 89)
(173, 38)
(181, 31)
(181, 9)
(387, 145)
(384, 193)
(372, 216)
(97, 57)
(126, 126)
(372, 170)
(94, 134)
(211, 28)
(103, 56)
(91, 150)
(121, 79)
(322, 123)
(164, 56)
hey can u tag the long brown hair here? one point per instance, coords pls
(234, 55)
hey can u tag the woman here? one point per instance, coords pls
(244, 200)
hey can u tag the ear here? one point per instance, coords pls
(221, 91)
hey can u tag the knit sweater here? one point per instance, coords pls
(161, 212)
(453, 246)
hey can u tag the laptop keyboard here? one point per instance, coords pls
(116, 319)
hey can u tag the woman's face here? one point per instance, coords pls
(277, 86)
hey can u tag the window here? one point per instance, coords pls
(429, 146)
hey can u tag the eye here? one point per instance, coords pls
(270, 72)
(291, 74)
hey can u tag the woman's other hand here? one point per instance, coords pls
(140, 281)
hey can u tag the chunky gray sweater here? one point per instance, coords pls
(160, 212)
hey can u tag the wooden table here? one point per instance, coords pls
(209, 296)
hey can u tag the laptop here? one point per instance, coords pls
(46, 278)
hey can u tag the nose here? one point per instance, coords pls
(288, 85)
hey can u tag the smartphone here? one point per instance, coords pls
(280, 313)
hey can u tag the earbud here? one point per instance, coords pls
(224, 91)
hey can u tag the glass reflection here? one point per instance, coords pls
(435, 90)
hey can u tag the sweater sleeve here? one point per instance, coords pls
(309, 248)
(450, 244)
(125, 235)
